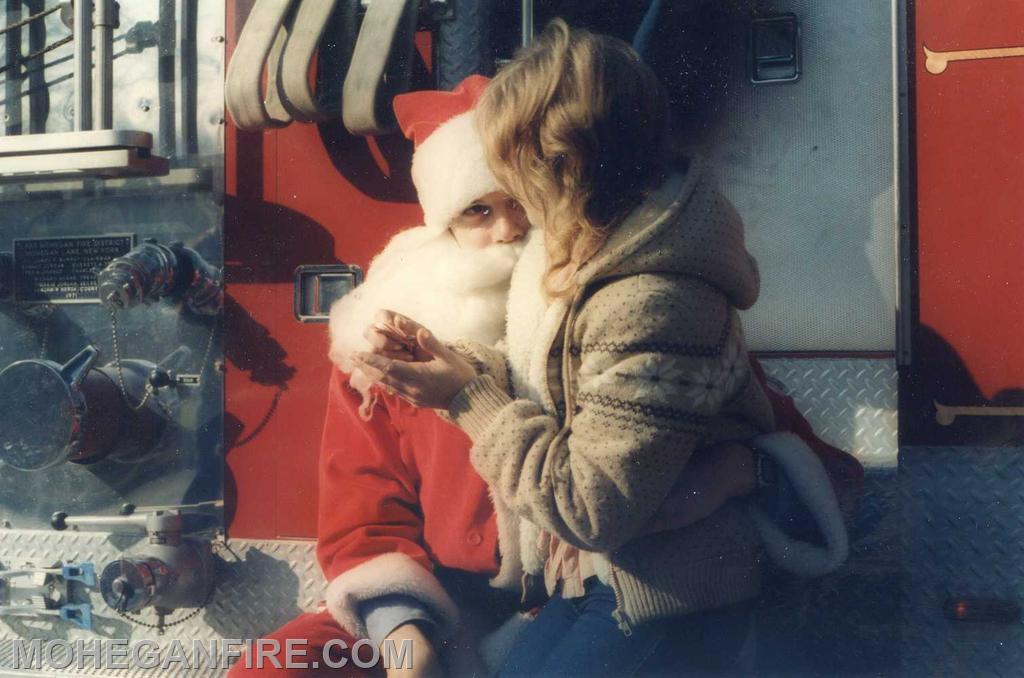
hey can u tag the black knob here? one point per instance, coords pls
(159, 378)
(59, 520)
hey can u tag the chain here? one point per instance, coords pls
(29, 19)
(161, 624)
(208, 352)
(150, 389)
(36, 54)
(120, 371)
(44, 341)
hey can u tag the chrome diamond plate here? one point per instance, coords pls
(851, 403)
(261, 586)
(963, 536)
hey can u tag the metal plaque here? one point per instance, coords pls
(63, 270)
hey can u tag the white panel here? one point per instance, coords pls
(810, 166)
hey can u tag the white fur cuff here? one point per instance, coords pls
(808, 477)
(386, 574)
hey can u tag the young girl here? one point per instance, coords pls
(626, 352)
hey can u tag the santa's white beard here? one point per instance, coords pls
(456, 293)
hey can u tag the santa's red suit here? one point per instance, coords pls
(399, 500)
(402, 511)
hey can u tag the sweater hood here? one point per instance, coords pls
(684, 227)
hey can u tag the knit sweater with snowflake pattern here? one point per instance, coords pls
(645, 363)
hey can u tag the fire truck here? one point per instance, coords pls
(166, 271)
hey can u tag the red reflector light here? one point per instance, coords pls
(992, 610)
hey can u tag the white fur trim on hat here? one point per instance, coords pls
(450, 171)
(807, 475)
(386, 574)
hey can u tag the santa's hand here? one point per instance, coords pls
(431, 383)
(393, 335)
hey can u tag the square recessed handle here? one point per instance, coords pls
(319, 286)
(775, 49)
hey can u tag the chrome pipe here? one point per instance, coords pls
(168, 22)
(188, 78)
(38, 93)
(83, 64)
(103, 36)
(12, 83)
(527, 24)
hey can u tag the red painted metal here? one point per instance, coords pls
(301, 194)
(970, 177)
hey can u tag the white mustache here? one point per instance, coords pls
(479, 268)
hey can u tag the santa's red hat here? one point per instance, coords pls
(448, 166)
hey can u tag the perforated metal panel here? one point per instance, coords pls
(810, 166)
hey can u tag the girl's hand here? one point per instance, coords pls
(393, 335)
(424, 383)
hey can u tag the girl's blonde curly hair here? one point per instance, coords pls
(577, 128)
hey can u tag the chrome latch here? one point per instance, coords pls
(775, 49)
(319, 286)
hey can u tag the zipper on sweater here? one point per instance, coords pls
(621, 618)
(567, 395)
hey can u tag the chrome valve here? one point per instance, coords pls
(168, 572)
(152, 272)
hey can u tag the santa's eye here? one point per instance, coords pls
(477, 210)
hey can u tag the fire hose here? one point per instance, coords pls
(283, 37)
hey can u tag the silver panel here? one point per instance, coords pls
(185, 206)
(189, 464)
(810, 166)
(850, 402)
(136, 86)
(963, 536)
(261, 586)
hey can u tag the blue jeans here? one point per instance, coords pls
(578, 637)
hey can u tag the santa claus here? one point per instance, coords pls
(408, 538)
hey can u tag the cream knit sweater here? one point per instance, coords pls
(645, 363)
